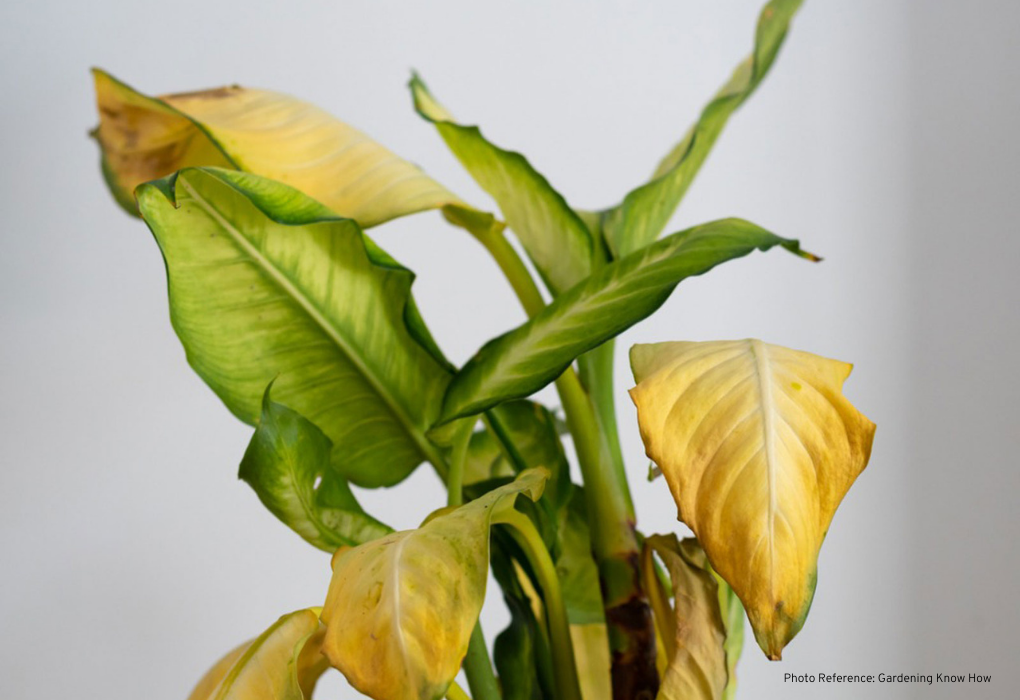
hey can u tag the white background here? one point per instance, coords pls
(885, 138)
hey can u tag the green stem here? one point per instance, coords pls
(596, 369)
(513, 269)
(478, 668)
(458, 458)
(524, 533)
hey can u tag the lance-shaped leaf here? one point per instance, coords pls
(555, 238)
(287, 463)
(759, 446)
(646, 210)
(283, 663)
(277, 136)
(697, 665)
(264, 283)
(400, 609)
(609, 302)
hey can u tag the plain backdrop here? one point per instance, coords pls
(885, 139)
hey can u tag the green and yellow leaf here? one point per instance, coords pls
(266, 283)
(266, 133)
(697, 658)
(400, 609)
(283, 663)
(288, 464)
(609, 302)
(759, 446)
(646, 210)
(555, 238)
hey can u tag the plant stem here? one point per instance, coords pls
(458, 457)
(524, 533)
(610, 509)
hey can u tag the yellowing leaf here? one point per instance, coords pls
(591, 652)
(283, 663)
(266, 133)
(759, 446)
(400, 609)
(697, 664)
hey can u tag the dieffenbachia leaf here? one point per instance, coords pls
(591, 652)
(265, 283)
(288, 465)
(759, 446)
(283, 663)
(400, 609)
(613, 299)
(575, 566)
(646, 210)
(555, 237)
(518, 649)
(277, 136)
(697, 666)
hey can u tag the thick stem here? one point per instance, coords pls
(524, 533)
(596, 369)
(478, 668)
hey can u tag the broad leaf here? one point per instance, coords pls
(609, 302)
(400, 609)
(264, 283)
(287, 463)
(555, 237)
(258, 131)
(646, 210)
(283, 663)
(759, 446)
(697, 667)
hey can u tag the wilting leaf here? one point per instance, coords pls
(575, 567)
(733, 619)
(264, 283)
(287, 463)
(283, 663)
(697, 667)
(613, 299)
(518, 648)
(646, 210)
(759, 446)
(258, 131)
(555, 237)
(400, 609)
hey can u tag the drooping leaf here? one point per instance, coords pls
(645, 211)
(261, 132)
(613, 299)
(400, 609)
(555, 237)
(283, 663)
(518, 649)
(575, 565)
(697, 667)
(265, 283)
(759, 446)
(288, 465)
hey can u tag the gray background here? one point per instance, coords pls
(885, 138)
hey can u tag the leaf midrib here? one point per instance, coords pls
(293, 292)
(759, 352)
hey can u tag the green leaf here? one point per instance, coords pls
(283, 663)
(697, 669)
(516, 651)
(645, 211)
(613, 299)
(266, 133)
(575, 566)
(400, 609)
(554, 236)
(733, 619)
(287, 463)
(264, 283)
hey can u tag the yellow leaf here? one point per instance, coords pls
(400, 609)
(697, 665)
(262, 132)
(759, 446)
(283, 663)
(591, 652)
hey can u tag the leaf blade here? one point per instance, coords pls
(614, 298)
(758, 457)
(259, 292)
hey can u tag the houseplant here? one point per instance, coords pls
(308, 330)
